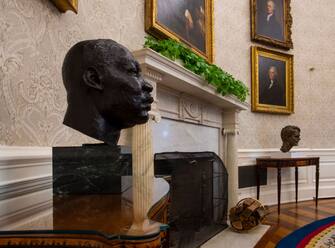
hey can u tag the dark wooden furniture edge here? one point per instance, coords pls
(280, 163)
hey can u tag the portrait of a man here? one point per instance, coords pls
(272, 81)
(271, 22)
(270, 19)
(186, 20)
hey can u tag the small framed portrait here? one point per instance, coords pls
(272, 81)
(188, 21)
(271, 22)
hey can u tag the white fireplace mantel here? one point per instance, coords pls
(184, 96)
(175, 76)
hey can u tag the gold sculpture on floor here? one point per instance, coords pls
(247, 214)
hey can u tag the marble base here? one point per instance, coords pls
(91, 169)
(228, 238)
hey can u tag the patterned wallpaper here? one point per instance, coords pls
(34, 38)
(314, 72)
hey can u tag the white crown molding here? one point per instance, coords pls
(24, 156)
(24, 152)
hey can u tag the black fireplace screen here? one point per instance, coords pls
(199, 195)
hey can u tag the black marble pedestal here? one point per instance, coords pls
(91, 169)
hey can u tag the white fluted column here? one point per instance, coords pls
(230, 132)
(143, 175)
(143, 164)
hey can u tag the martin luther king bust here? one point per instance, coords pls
(105, 90)
(105, 93)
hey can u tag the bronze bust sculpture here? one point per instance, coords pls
(290, 136)
(105, 91)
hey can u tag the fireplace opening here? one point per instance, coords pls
(198, 195)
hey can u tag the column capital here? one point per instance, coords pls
(230, 131)
(230, 122)
(153, 77)
(151, 74)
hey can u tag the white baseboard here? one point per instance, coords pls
(25, 182)
(268, 193)
(26, 179)
(24, 187)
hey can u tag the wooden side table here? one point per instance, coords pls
(94, 221)
(280, 163)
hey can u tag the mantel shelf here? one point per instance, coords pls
(178, 78)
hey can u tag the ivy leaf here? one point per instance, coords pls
(223, 81)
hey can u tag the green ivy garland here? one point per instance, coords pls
(223, 81)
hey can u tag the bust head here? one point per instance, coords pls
(105, 91)
(290, 136)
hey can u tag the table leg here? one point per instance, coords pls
(279, 187)
(296, 184)
(258, 180)
(317, 175)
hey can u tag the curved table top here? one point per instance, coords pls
(107, 215)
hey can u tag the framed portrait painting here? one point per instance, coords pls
(272, 81)
(188, 21)
(271, 22)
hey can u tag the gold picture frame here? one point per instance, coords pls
(64, 5)
(272, 32)
(166, 19)
(272, 86)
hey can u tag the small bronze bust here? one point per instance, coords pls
(105, 90)
(290, 136)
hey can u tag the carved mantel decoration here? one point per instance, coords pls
(65, 5)
(184, 96)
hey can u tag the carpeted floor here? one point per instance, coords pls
(319, 234)
(293, 216)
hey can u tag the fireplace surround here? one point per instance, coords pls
(182, 96)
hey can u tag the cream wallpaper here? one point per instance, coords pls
(314, 72)
(34, 38)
